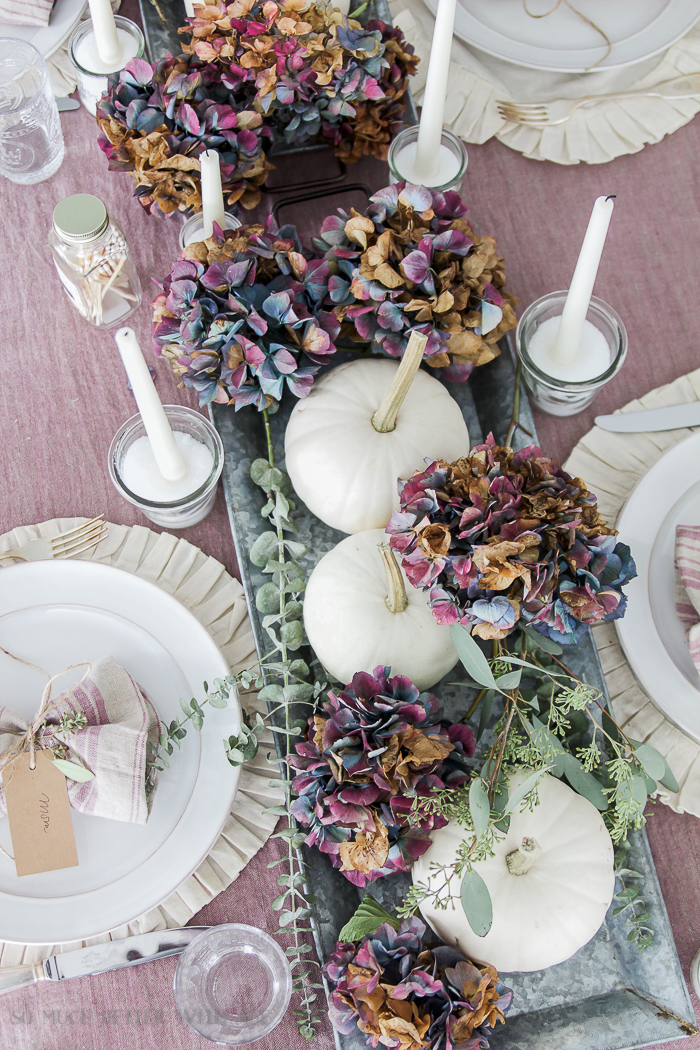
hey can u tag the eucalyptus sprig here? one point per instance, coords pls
(553, 723)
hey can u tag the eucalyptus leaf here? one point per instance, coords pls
(584, 783)
(292, 634)
(473, 660)
(263, 548)
(476, 902)
(510, 680)
(541, 641)
(668, 780)
(299, 667)
(516, 797)
(485, 712)
(73, 770)
(267, 599)
(653, 763)
(479, 806)
(218, 701)
(369, 916)
(271, 694)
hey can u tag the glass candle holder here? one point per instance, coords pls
(233, 984)
(90, 72)
(563, 397)
(190, 509)
(193, 228)
(453, 153)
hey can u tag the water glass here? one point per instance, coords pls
(31, 140)
(233, 984)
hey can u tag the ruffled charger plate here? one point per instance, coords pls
(652, 635)
(47, 39)
(57, 613)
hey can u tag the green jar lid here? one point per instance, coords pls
(80, 217)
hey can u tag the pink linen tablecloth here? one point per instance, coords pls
(63, 394)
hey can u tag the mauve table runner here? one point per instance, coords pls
(63, 395)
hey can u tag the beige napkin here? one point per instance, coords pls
(593, 135)
(114, 744)
(26, 12)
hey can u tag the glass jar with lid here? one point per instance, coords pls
(92, 258)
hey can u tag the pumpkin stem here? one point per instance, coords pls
(396, 600)
(521, 859)
(384, 419)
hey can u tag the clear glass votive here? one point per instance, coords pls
(193, 228)
(233, 984)
(90, 73)
(31, 139)
(560, 397)
(408, 138)
(191, 509)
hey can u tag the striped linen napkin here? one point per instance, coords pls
(121, 723)
(688, 585)
(26, 12)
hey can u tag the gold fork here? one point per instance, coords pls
(65, 545)
(546, 114)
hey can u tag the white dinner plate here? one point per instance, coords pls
(47, 39)
(562, 41)
(651, 632)
(57, 613)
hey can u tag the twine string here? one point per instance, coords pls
(580, 14)
(27, 740)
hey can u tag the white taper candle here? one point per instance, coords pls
(568, 340)
(212, 195)
(432, 117)
(108, 46)
(167, 455)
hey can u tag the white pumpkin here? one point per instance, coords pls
(342, 467)
(557, 902)
(349, 619)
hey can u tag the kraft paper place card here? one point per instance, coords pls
(39, 812)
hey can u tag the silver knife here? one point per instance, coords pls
(672, 417)
(112, 955)
(67, 103)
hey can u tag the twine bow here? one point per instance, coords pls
(27, 741)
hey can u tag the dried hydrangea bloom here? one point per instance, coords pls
(413, 263)
(314, 74)
(378, 744)
(500, 537)
(242, 315)
(156, 120)
(402, 995)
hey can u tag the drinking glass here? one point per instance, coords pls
(233, 984)
(31, 140)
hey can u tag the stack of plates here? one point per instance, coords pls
(57, 613)
(562, 41)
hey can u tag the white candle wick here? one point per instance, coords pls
(578, 299)
(427, 160)
(212, 194)
(109, 47)
(168, 456)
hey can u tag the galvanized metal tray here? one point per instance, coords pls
(608, 996)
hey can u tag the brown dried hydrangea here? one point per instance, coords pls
(412, 262)
(312, 73)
